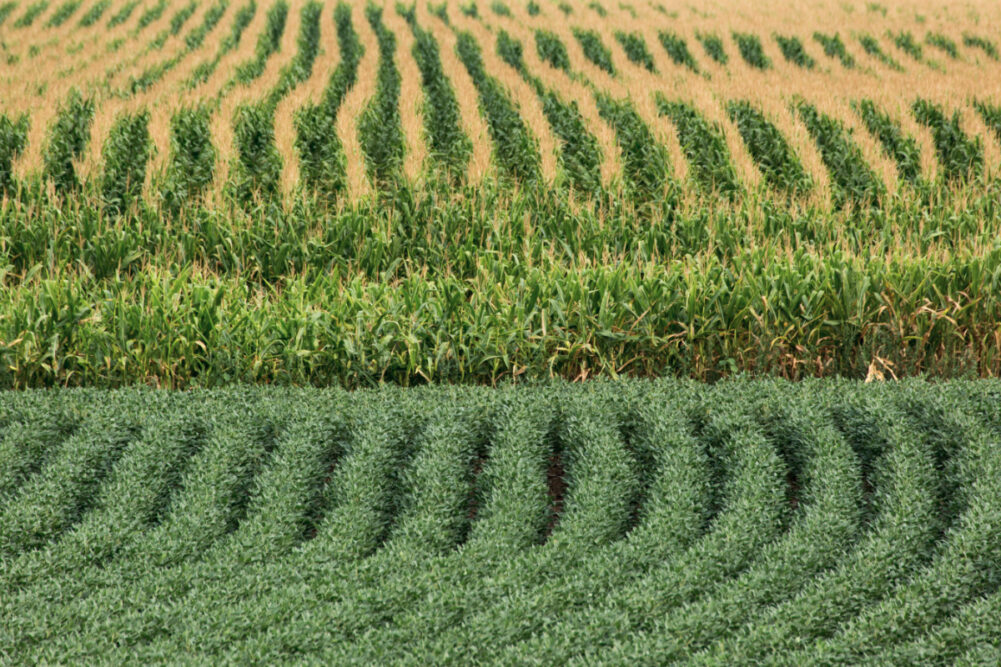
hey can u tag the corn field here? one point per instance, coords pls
(207, 191)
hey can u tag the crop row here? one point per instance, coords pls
(256, 175)
(621, 521)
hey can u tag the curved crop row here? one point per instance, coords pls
(611, 522)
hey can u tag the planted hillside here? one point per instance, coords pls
(704, 523)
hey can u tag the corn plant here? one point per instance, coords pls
(379, 126)
(749, 46)
(580, 156)
(499, 8)
(192, 41)
(854, 181)
(94, 14)
(905, 42)
(66, 141)
(943, 43)
(125, 154)
(982, 43)
(6, 9)
(31, 12)
(778, 163)
(594, 49)
(676, 47)
(961, 158)
(793, 51)
(320, 153)
(991, 115)
(871, 46)
(448, 144)
(63, 12)
(301, 66)
(13, 140)
(192, 159)
(598, 8)
(635, 47)
(241, 20)
(552, 50)
(533, 8)
(704, 146)
(123, 14)
(151, 14)
(835, 48)
(257, 169)
(713, 45)
(515, 148)
(901, 148)
(268, 44)
(645, 162)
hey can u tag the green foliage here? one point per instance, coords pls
(580, 156)
(499, 8)
(94, 14)
(991, 115)
(903, 149)
(635, 48)
(320, 152)
(440, 10)
(122, 15)
(470, 9)
(7, 8)
(192, 41)
(192, 159)
(871, 46)
(449, 146)
(940, 41)
(906, 43)
(67, 138)
(125, 154)
(597, 8)
(961, 158)
(676, 47)
(268, 44)
(853, 180)
(751, 51)
(241, 20)
(256, 172)
(645, 162)
(704, 146)
(831, 522)
(515, 148)
(301, 66)
(63, 12)
(565, 8)
(150, 15)
(771, 152)
(792, 50)
(31, 12)
(835, 48)
(13, 140)
(594, 50)
(533, 8)
(379, 127)
(552, 50)
(982, 43)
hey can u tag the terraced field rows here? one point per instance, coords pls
(938, 97)
(631, 521)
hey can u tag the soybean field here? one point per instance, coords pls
(630, 522)
(202, 192)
